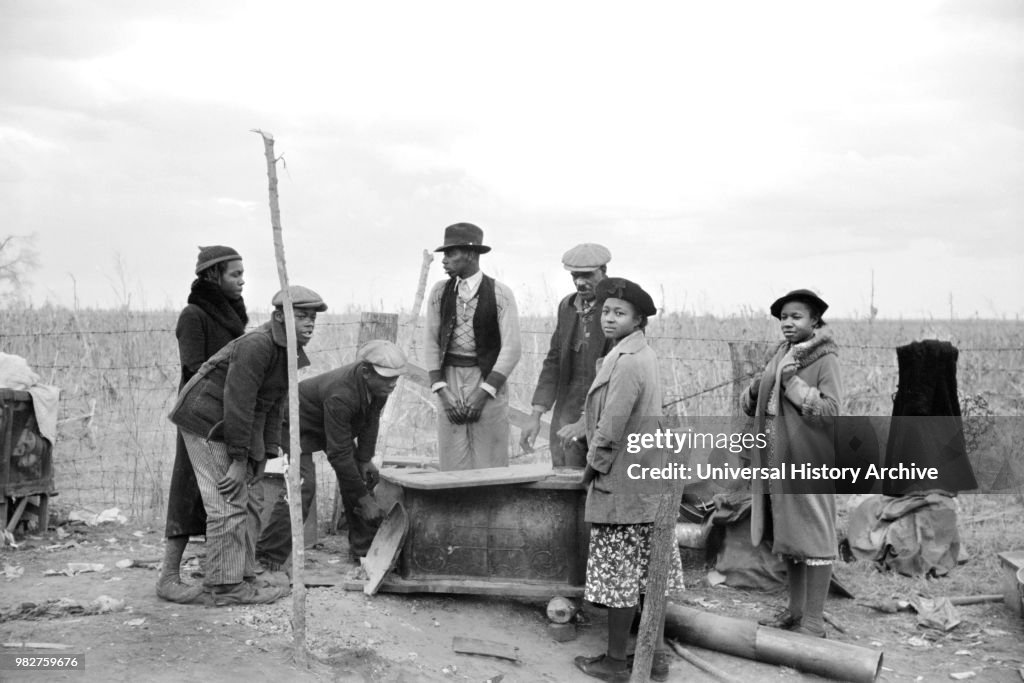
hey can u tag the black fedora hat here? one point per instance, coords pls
(627, 290)
(803, 295)
(465, 235)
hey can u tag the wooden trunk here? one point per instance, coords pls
(500, 531)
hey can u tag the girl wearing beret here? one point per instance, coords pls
(215, 315)
(795, 402)
(625, 396)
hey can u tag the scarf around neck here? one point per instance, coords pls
(228, 313)
(803, 354)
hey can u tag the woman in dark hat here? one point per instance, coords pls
(624, 399)
(795, 401)
(215, 315)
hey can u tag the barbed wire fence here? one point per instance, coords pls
(118, 372)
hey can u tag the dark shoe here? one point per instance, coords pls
(804, 631)
(783, 620)
(659, 665)
(245, 593)
(603, 667)
(181, 593)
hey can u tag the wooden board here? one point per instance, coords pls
(387, 543)
(431, 480)
(489, 648)
(560, 478)
(409, 461)
(394, 584)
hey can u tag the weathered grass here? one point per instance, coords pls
(120, 367)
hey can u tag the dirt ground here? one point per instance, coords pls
(352, 637)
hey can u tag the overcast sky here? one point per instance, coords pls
(725, 152)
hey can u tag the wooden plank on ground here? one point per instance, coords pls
(387, 544)
(512, 589)
(431, 480)
(489, 648)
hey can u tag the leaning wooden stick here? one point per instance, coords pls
(293, 481)
(663, 539)
(405, 340)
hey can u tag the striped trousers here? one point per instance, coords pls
(483, 443)
(232, 526)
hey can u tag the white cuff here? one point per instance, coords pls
(489, 389)
(438, 386)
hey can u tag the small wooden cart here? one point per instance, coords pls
(26, 463)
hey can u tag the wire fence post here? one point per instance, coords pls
(748, 358)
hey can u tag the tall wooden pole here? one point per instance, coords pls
(292, 480)
(663, 541)
(405, 337)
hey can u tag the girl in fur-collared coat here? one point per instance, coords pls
(796, 401)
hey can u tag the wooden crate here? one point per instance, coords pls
(26, 461)
(1011, 563)
(515, 531)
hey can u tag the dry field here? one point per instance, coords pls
(118, 373)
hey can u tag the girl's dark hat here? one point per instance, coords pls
(211, 256)
(621, 288)
(465, 235)
(803, 295)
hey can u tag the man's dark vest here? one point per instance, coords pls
(485, 323)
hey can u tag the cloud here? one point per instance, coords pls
(719, 150)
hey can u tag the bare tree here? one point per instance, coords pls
(18, 258)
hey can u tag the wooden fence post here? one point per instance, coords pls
(377, 326)
(748, 358)
(663, 544)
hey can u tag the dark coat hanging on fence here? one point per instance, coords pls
(205, 326)
(926, 427)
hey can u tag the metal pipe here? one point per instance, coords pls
(829, 658)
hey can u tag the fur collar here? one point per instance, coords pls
(229, 314)
(821, 344)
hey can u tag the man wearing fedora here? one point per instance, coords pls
(472, 345)
(569, 368)
(339, 414)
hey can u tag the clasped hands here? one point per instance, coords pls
(461, 412)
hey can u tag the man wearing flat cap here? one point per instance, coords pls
(230, 416)
(339, 414)
(472, 345)
(569, 368)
